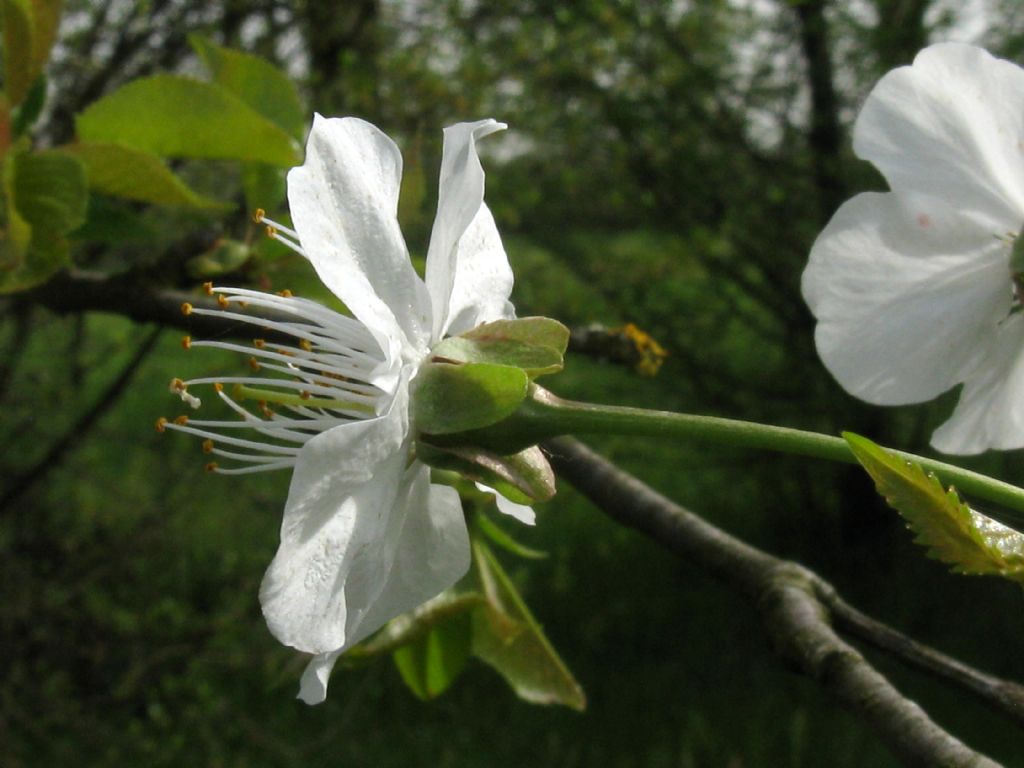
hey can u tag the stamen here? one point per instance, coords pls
(180, 388)
(258, 215)
(186, 309)
(161, 424)
(207, 445)
(208, 288)
(186, 342)
(222, 301)
(304, 398)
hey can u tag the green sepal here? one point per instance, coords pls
(535, 344)
(500, 538)
(508, 638)
(524, 477)
(456, 398)
(431, 662)
(953, 532)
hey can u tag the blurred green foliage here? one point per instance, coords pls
(668, 165)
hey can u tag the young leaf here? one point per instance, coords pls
(255, 81)
(134, 175)
(509, 639)
(953, 532)
(457, 398)
(175, 116)
(431, 662)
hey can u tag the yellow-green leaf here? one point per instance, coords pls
(132, 174)
(19, 72)
(953, 532)
(255, 81)
(174, 116)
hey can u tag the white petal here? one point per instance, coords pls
(313, 685)
(468, 274)
(344, 202)
(908, 294)
(521, 512)
(336, 528)
(951, 125)
(990, 413)
(427, 554)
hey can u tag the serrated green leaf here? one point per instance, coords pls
(508, 638)
(131, 174)
(431, 663)
(174, 116)
(255, 81)
(456, 398)
(953, 532)
(19, 72)
(501, 538)
(535, 344)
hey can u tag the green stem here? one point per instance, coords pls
(543, 416)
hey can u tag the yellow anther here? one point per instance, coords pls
(259, 343)
(186, 342)
(208, 288)
(207, 446)
(306, 344)
(221, 301)
(161, 424)
(186, 308)
(271, 233)
(254, 363)
(211, 467)
(305, 395)
(258, 215)
(285, 293)
(262, 404)
(181, 421)
(218, 387)
(177, 385)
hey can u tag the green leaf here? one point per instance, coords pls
(131, 174)
(501, 538)
(49, 190)
(953, 532)
(263, 185)
(456, 398)
(508, 638)
(19, 72)
(225, 256)
(535, 344)
(431, 662)
(255, 81)
(174, 116)
(46, 198)
(45, 24)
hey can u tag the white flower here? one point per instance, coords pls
(365, 536)
(913, 289)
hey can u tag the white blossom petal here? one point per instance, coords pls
(990, 413)
(431, 552)
(908, 294)
(339, 531)
(952, 125)
(468, 275)
(521, 512)
(344, 203)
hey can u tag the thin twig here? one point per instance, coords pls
(80, 428)
(788, 597)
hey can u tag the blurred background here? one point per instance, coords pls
(668, 164)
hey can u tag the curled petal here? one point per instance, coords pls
(344, 202)
(990, 413)
(521, 512)
(908, 294)
(468, 275)
(951, 125)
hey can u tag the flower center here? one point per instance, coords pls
(314, 370)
